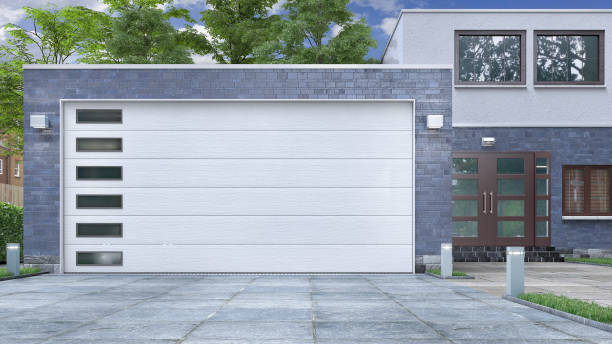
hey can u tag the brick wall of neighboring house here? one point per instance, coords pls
(431, 88)
(9, 171)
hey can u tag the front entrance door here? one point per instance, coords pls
(501, 199)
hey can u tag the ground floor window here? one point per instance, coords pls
(586, 190)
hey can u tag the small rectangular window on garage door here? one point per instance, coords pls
(99, 144)
(99, 173)
(101, 116)
(99, 230)
(99, 258)
(99, 201)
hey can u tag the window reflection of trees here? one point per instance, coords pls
(568, 58)
(489, 58)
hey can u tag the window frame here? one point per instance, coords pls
(98, 122)
(600, 55)
(523, 36)
(79, 252)
(81, 195)
(1, 166)
(99, 236)
(99, 179)
(120, 150)
(17, 168)
(587, 190)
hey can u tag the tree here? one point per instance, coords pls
(11, 107)
(57, 34)
(304, 36)
(144, 35)
(237, 27)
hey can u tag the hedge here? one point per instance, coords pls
(11, 227)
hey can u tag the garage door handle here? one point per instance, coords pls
(491, 209)
(484, 202)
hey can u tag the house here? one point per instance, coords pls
(11, 165)
(327, 168)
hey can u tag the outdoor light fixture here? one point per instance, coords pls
(39, 121)
(435, 121)
(487, 142)
(12, 258)
(446, 260)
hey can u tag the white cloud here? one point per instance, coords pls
(387, 25)
(390, 6)
(335, 30)
(10, 15)
(186, 3)
(203, 59)
(277, 7)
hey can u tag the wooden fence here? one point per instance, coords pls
(11, 194)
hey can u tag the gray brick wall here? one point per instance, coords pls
(44, 88)
(567, 146)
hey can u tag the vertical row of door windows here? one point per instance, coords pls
(99, 201)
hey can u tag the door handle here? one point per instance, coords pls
(491, 209)
(484, 202)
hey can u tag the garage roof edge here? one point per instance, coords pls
(236, 66)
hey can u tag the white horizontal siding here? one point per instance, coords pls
(249, 144)
(250, 258)
(249, 115)
(248, 173)
(243, 230)
(249, 201)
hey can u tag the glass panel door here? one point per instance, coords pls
(501, 199)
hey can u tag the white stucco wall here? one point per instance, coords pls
(394, 53)
(428, 38)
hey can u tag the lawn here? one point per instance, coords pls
(22, 271)
(439, 273)
(603, 261)
(581, 308)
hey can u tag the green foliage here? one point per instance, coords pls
(11, 107)
(142, 33)
(237, 27)
(23, 271)
(11, 227)
(57, 34)
(589, 310)
(602, 261)
(439, 272)
(304, 37)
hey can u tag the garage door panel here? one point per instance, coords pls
(250, 258)
(223, 230)
(249, 173)
(249, 201)
(249, 144)
(249, 115)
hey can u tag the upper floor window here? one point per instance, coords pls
(17, 168)
(489, 57)
(569, 57)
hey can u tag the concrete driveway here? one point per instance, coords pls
(580, 281)
(269, 309)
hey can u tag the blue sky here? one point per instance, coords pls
(379, 14)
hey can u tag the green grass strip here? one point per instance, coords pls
(604, 261)
(589, 310)
(439, 272)
(24, 271)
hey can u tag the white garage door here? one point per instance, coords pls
(238, 186)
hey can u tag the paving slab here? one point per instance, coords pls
(277, 309)
(580, 281)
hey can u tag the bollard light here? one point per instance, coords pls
(515, 271)
(12, 258)
(446, 260)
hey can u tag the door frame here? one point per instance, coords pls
(487, 172)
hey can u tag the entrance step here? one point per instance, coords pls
(498, 254)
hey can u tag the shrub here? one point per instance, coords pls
(11, 227)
